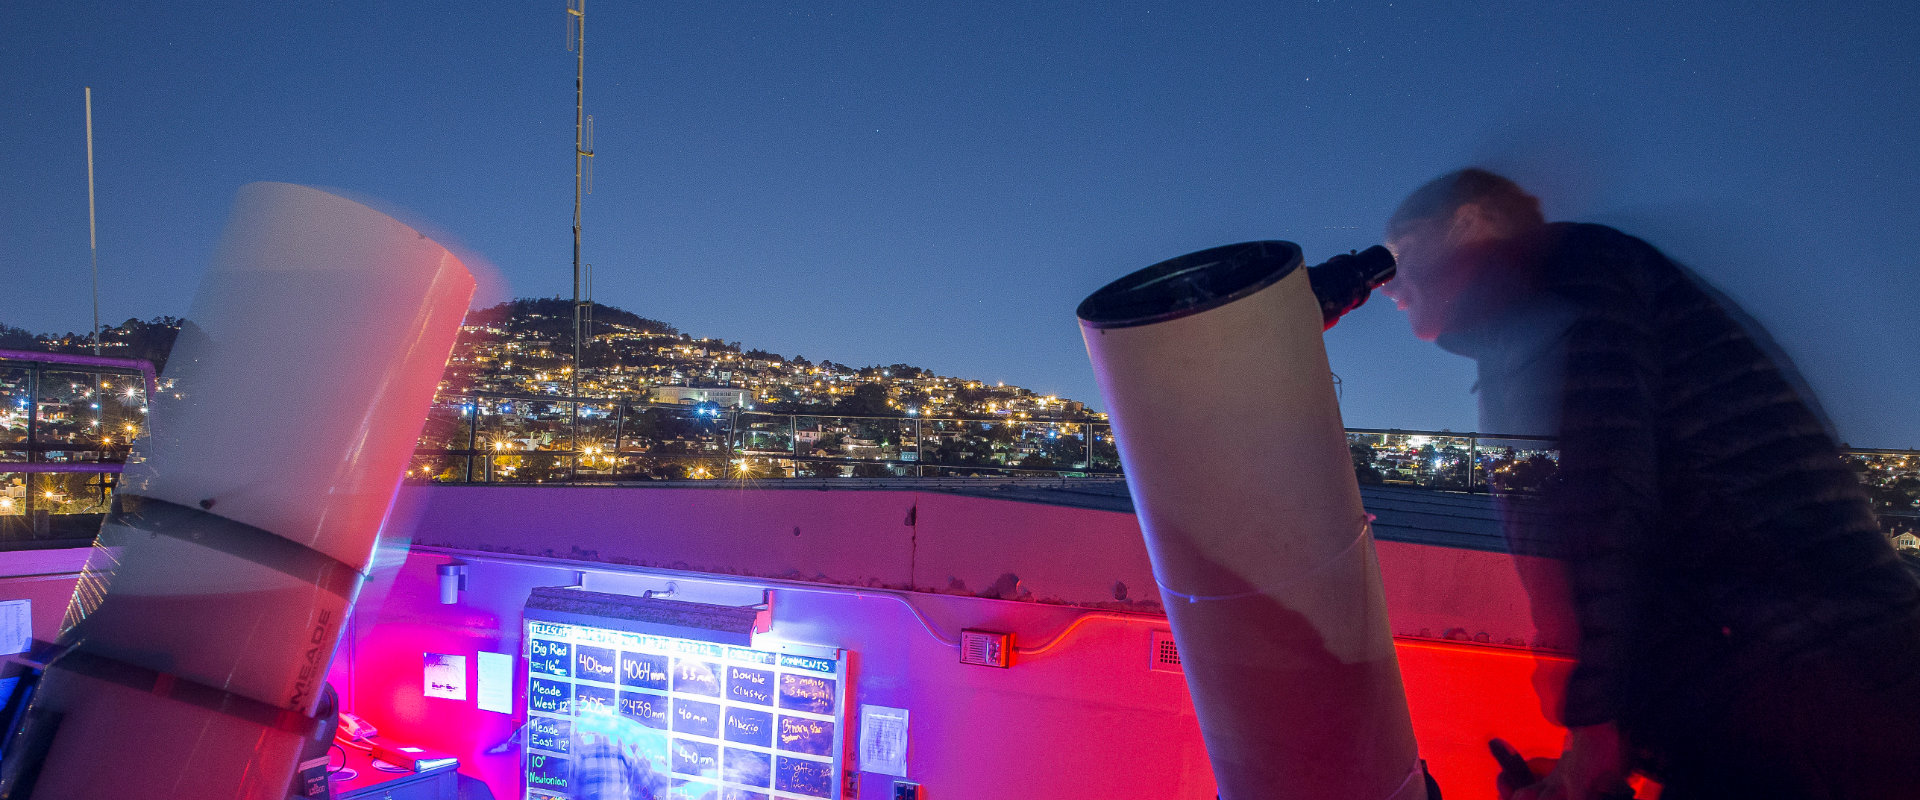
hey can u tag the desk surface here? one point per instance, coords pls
(369, 782)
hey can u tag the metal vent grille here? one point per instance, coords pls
(986, 648)
(1165, 655)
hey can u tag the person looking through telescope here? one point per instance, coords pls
(1741, 626)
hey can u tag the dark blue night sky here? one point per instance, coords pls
(940, 184)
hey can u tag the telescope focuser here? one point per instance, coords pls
(1345, 281)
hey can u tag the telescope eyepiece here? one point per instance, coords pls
(1345, 281)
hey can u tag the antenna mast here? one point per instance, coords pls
(582, 175)
(93, 241)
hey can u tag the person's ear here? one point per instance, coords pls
(1472, 223)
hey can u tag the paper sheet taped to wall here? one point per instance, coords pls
(883, 740)
(16, 634)
(446, 676)
(494, 689)
(16, 626)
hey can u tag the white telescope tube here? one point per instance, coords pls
(202, 629)
(1218, 386)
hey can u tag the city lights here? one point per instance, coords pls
(804, 418)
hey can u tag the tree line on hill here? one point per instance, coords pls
(149, 339)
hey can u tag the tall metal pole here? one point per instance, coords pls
(577, 15)
(93, 241)
(1473, 459)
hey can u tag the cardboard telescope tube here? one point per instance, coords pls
(1223, 407)
(198, 640)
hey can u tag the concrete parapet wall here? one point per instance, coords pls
(963, 545)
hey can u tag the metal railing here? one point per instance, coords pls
(494, 438)
(67, 423)
(486, 438)
(498, 438)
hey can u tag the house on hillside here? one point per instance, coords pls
(690, 395)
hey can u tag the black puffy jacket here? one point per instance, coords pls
(1706, 518)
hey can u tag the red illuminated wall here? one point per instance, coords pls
(958, 544)
(44, 577)
(1085, 719)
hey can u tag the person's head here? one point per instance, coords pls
(1441, 237)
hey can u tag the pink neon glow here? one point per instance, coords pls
(1460, 693)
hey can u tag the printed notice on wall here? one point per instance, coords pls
(494, 688)
(446, 676)
(883, 740)
(16, 626)
(690, 719)
(16, 634)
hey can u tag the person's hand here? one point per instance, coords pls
(1516, 771)
(1594, 767)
